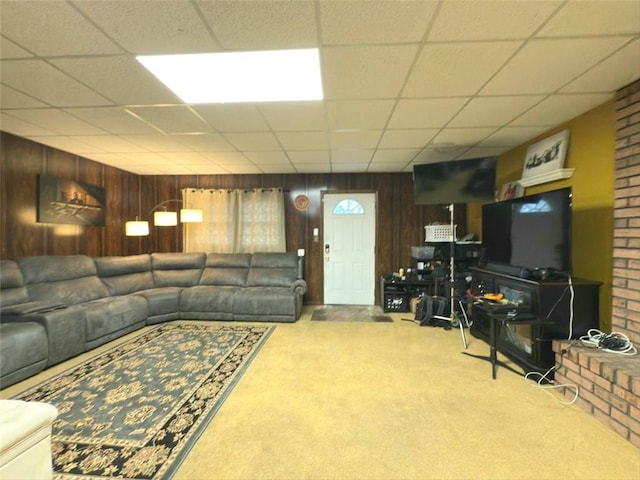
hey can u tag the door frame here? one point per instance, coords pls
(376, 284)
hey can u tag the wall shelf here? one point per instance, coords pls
(560, 174)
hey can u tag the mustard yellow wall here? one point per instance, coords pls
(592, 154)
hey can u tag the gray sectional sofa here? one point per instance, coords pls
(55, 307)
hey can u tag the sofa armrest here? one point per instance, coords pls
(299, 287)
(31, 307)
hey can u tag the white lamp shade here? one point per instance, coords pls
(165, 219)
(136, 228)
(191, 215)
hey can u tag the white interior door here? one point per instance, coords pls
(349, 236)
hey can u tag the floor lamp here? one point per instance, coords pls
(452, 279)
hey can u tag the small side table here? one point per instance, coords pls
(502, 314)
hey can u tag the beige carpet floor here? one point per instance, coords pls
(365, 400)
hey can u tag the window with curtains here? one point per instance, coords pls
(236, 221)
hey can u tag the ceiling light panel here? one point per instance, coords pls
(238, 77)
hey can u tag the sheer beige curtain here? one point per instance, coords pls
(236, 221)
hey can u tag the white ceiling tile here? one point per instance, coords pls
(350, 167)
(16, 126)
(110, 143)
(348, 71)
(493, 111)
(462, 136)
(156, 142)
(437, 154)
(114, 120)
(425, 113)
(11, 98)
(253, 141)
(47, 84)
(303, 140)
(184, 158)
(206, 142)
(151, 27)
(243, 169)
(558, 109)
(384, 167)
(405, 71)
(621, 68)
(120, 78)
(594, 18)
(259, 25)
(304, 157)
(276, 168)
(227, 158)
(237, 117)
(48, 32)
(398, 155)
(351, 156)
(64, 123)
(479, 152)
(513, 136)
(473, 20)
(293, 116)
(415, 138)
(380, 21)
(270, 158)
(536, 68)
(70, 144)
(171, 119)
(359, 114)
(456, 69)
(313, 168)
(144, 158)
(355, 139)
(109, 158)
(9, 49)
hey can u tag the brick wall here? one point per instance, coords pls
(626, 216)
(608, 383)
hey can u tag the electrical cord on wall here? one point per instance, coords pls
(551, 385)
(613, 342)
(573, 294)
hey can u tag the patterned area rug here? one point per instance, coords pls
(134, 412)
(350, 313)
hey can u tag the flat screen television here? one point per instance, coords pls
(531, 232)
(457, 181)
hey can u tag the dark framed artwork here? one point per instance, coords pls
(70, 202)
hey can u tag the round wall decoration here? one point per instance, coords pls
(301, 202)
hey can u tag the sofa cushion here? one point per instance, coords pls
(12, 289)
(226, 269)
(264, 301)
(207, 298)
(177, 269)
(122, 275)
(66, 279)
(273, 269)
(50, 268)
(68, 292)
(114, 314)
(23, 351)
(164, 303)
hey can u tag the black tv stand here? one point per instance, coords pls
(529, 346)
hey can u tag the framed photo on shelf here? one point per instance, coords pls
(511, 190)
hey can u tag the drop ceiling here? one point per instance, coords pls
(405, 82)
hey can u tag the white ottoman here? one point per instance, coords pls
(25, 440)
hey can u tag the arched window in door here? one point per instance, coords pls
(349, 206)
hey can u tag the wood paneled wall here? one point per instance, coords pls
(400, 223)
